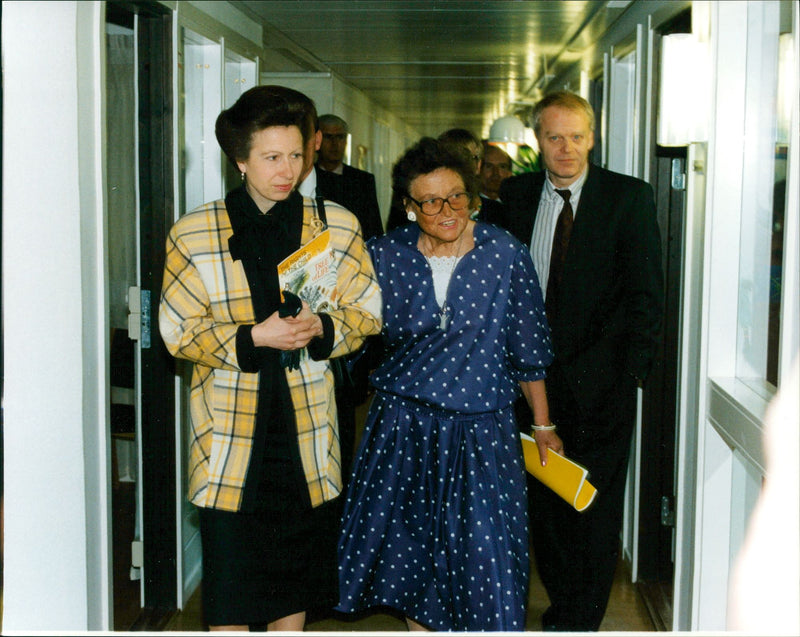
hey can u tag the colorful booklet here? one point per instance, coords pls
(564, 476)
(310, 273)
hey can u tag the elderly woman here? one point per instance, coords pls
(264, 450)
(435, 521)
(460, 139)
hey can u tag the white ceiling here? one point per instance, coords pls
(437, 64)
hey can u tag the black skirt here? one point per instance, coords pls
(275, 561)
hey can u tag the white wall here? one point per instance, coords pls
(55, 536)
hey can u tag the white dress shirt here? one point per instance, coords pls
(550, 205)
(308, 187)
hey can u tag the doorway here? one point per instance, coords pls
(656, 555)
(138, 215)
(121, 226)
(657, 497)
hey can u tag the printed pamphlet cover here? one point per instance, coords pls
(310, 273)
(564, 476)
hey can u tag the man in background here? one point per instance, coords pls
(495, 169)
(351, 390)
(490, 210)
(595, 243)
(353, 188)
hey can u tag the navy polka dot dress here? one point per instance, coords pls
(435, 520)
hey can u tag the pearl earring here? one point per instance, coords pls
(242, 176)
(411, 215)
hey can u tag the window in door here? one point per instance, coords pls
(764, 197)
(201, 161)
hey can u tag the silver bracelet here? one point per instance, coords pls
(549, 427)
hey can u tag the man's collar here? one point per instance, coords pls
(308, 187)
(337, 171)
(574, 187)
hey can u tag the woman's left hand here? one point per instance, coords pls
(307, 325)
(288, 333)
(548, 440)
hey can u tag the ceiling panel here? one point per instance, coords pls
(435, 64)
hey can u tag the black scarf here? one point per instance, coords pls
(262, 241)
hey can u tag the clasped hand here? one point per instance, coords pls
(290, 333)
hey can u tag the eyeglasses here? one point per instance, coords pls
(431, 207)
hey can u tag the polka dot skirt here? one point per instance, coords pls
(435, 523)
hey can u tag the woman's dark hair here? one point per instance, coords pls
(427, 155)
(259, 108)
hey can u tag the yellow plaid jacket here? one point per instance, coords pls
(205, 297)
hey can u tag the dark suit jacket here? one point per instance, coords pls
(491, 211)
(355, 190)
(397, 214)
(610, 302)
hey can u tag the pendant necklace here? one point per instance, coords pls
(445, 312)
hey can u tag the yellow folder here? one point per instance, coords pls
(564, 476)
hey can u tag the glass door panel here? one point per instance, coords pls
(202, 90)
(772, 66)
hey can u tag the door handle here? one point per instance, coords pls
(139, 316)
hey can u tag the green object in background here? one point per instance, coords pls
(526, 161)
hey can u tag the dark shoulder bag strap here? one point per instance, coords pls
(340, 371)
(321, 209)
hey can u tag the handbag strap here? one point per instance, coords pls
(320, 209)
(341, 373)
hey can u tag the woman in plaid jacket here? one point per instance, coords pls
(264, 448)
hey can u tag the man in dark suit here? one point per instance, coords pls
(348, 186)
(311, 185)
(495, 169)
(491, 210)
(604, 305)
(354, 189)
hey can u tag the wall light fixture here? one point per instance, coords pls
(685, 91)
